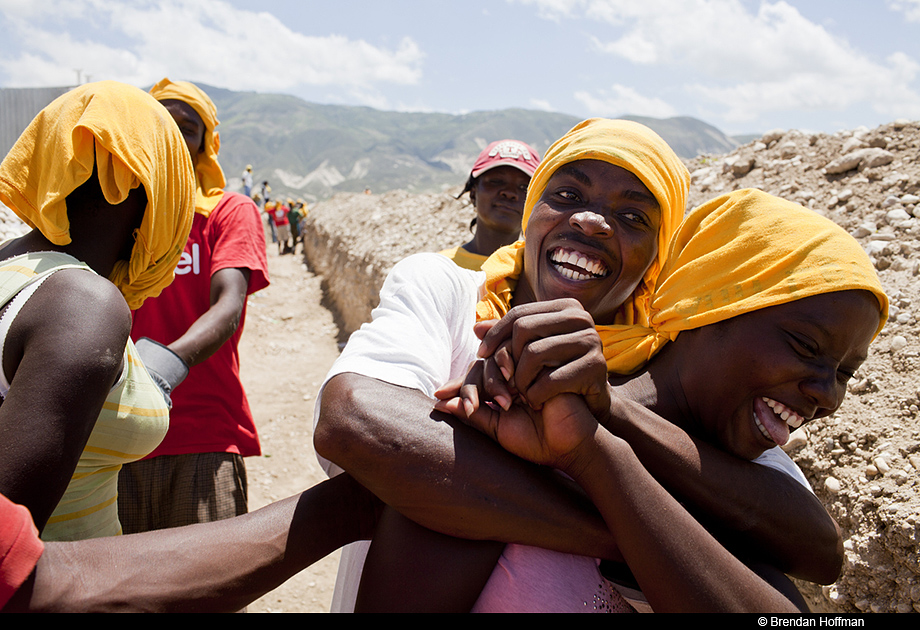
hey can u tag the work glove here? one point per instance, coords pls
(165, 367)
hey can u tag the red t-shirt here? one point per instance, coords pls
(210, 413)
(20, 548)
(279, 215)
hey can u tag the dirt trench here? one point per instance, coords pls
(287, 346)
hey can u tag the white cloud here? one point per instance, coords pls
(717, 37)
(553, 9)
(886, 92)
(620, 99)
(910, 8)
(199, 40)
(749, 61)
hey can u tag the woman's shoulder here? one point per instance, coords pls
(83, 300)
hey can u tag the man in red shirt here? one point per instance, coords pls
(197, 473)
(279, 215)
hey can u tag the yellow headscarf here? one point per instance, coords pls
(629, 145)
(210, 176)
(738, 253)
(133, 142)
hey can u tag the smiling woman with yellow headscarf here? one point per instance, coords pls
(105, 181)
(623, 144)
(611, 190)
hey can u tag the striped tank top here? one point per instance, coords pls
(133, 420)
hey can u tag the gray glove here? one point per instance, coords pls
(164, 366)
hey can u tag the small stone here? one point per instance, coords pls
(772, 136)
(898, 343)
(890, 200)
(797, 439)
(832, 485)
(881, 465)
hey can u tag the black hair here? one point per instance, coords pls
(470, 184)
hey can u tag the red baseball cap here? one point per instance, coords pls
(507, 153)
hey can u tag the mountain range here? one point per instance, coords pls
(312, 151)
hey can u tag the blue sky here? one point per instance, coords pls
(741, 65)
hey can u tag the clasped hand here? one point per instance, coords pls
(540, 385)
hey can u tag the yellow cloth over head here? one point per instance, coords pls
(133, 142)
(629, 145)
(209, 175)
(738, 253)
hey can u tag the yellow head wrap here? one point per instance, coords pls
(210, 176)
(629, 145)
(133, 142)
(741, 252)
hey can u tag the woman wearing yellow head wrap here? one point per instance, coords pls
(763, 312)
(602, 203)
(104, 179)
(655, 170)
(739, 253)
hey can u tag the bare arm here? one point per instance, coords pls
(60, 376)
(209, 332)
(677, 563)
(760, 512)
(210, 567)
(447, 476)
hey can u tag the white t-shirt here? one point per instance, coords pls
(420, 337)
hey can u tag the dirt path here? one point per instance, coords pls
(288, 345)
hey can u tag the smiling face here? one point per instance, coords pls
(499, 195)
(751, 379)
(592, 235)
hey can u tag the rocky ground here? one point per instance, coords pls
(864, 462)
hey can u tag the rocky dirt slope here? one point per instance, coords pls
(864, 462)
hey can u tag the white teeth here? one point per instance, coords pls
(592, 268)
(762, 428)
(574, 275)
(790, 417)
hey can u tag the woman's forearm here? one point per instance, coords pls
(759, 512)
(449, 477)
(678, 564)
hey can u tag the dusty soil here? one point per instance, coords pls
(288, 345)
